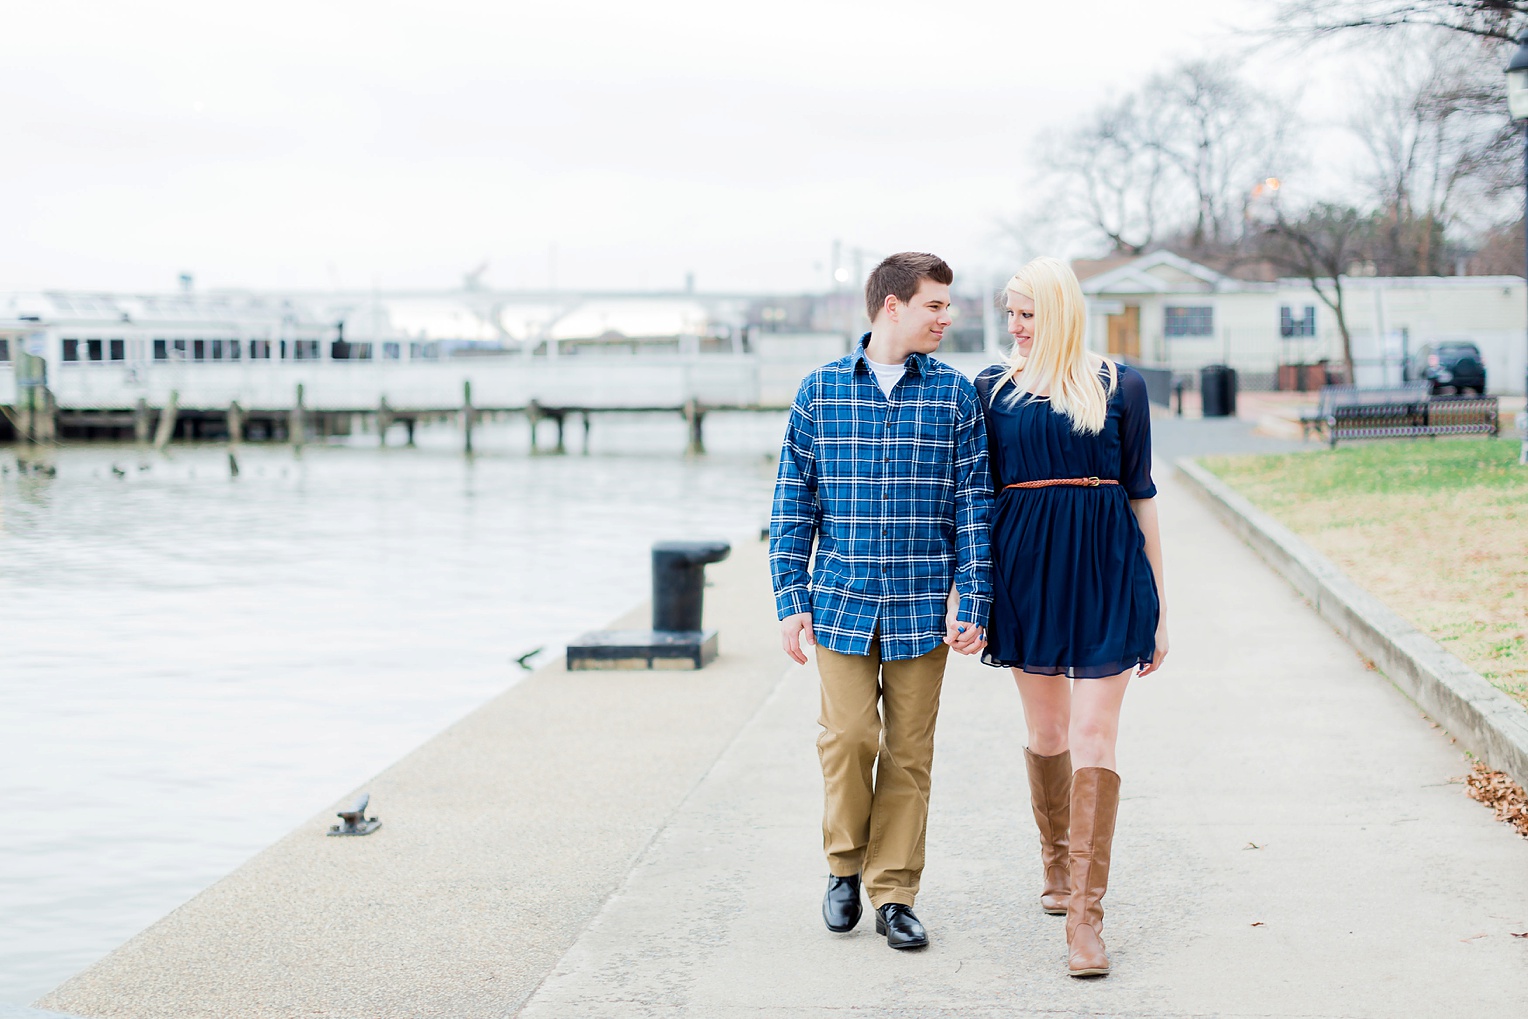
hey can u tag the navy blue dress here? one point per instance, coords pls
(1073, 592)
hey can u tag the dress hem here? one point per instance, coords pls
(1071, 671)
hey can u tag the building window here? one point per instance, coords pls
(391, 351)
(93, 350)
(198, 350)
(233, 350)
(118, 350)
(304, 350)
(71, 350)
(217, 350)
(178, 348)
(5, 350)
(1290, 326)
(260, 349)
(161, 350)
(1198, 320)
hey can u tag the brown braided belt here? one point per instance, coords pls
(1076, 482)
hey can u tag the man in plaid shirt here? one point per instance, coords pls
(885, 466)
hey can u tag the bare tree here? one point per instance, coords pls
(1222, 140)
(1442, 153)
(1110, 176)
(1179, 159)
(1322, 247)
(1483, 19)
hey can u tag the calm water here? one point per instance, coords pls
(193, 663)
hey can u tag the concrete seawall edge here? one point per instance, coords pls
(1486, 721)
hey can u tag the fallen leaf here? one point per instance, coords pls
(1473, 937)
(1501, 794)
(1517, 935)
(1259, 924)
(1252, 845)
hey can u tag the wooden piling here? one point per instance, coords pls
(45, 418)
(533, 415)
(236, 418)
(695, 416)
(297, 421)
(167, 414)
(143, 428)
(467, 414)
(384, 422)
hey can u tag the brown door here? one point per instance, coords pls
(1125, 332)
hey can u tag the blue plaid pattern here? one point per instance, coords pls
(895, 491)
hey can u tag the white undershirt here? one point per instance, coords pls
(887, 375)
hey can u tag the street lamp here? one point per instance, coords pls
(1517, 106)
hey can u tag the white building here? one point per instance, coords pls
(1163, 309)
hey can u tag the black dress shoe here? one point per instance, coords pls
(900, 926)
(841, 903)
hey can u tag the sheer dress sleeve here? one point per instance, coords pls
(985, 380)
(1135, 436)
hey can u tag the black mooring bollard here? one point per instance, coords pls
(676, 640)
(679, 581)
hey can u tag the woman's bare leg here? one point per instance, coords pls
(1047, 711)
(1094, 726)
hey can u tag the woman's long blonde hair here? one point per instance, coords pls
(1058, 362)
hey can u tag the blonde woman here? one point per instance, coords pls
(1077, 578)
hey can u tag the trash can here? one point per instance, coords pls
(679, 581)
(1217, 391)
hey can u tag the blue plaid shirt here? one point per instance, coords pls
(896, 492)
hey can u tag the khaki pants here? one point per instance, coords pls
(877, 829)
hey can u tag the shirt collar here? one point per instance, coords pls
(918, 362)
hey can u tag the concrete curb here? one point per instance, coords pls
(1485, 721)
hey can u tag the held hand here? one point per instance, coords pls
(964, 638)
(1159, 654)
(794, 630)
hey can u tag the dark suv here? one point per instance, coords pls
(1451, 367)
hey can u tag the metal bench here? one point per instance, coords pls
(1348, 412)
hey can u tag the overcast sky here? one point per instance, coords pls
(615, 144)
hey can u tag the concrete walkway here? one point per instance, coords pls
(1291, 843)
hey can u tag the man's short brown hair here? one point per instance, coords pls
(901, 274)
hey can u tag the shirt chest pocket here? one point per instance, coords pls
(929, 443)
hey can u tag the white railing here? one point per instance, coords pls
(600, 383)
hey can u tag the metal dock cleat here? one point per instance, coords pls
(354, 821)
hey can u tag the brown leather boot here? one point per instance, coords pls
(1095, 802)
(1050, 797)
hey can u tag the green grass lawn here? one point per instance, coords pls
(1438, 529)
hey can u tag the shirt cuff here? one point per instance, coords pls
(792, 601)
(974, 608)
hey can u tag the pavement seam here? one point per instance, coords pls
(647, 848)
(1487, 723)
